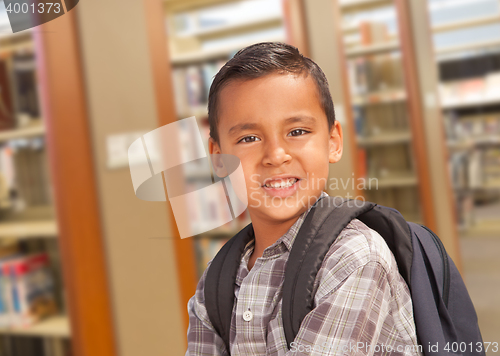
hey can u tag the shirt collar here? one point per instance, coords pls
(289, 237)
(285, 242)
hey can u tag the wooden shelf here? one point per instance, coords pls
(411, 217)
(29, 229)
(16, 47)
(230, 28)
(199, 112)
(54, 326)
(201, 56)
(383, 96)
(448, 26)
(373, 49)
(459, 145)
(7, 36)
(392, 181)
(24, 132)
(473, 141)
(463, 104)
(10, 42)
(489, 186)
(482, 228)
(468, 47)
(486, 140)
(356, 5)
(457, 25)
(350, 28)
(385, 138)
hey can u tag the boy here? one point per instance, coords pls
(271, 107)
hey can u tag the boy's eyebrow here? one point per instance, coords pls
(304, 119)
(242, 127)
(290, 120)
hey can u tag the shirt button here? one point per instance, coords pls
(247, 316)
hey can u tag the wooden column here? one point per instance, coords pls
(427, 122)
(165, 104)
(72, 170)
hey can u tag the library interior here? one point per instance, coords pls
(89, 269)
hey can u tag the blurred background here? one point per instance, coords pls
(86, 268)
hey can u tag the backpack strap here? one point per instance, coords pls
(392, 226)
(220, 280)
(318, 231)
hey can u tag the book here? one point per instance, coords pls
(24, 73)
(7, 117)
(28, 289)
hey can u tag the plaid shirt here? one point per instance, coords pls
(362, 304)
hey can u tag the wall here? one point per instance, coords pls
(140, 255)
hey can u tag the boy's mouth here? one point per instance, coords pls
(281, 183)
(283, 187)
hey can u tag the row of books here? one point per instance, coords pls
(470, 126)
(27, 292)
(206, 248)
(471, 67)
(404, 199)
(34, 346)
(464, 207)
(207, 245)
(191, 86)
(376, 73)
(471, 90)
(475, 169)
(473, 174)
(19, 103)
(491, 167)
(459, 169)
(379, 111)
(373, 120)
(24, 176)
(389, 161)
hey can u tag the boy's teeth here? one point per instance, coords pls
(282, 184)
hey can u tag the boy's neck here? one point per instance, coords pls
(266, 234)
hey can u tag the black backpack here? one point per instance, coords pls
(445, 319)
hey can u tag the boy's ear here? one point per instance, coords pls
(213, 147)
(336, 143)
(217, 163)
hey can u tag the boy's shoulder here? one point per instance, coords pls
(356, 246)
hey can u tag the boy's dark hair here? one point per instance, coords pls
(259, 60)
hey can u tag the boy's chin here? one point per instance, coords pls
(282, 210)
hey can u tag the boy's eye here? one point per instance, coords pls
(298, 132)
(248, 139)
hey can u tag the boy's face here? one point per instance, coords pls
(276, 126)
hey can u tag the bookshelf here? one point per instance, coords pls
(56, 326)
(88, 327)
(467, 53)
(51, 205)
(27, 221)
(196, 52)
(35, 130)
(393, 111)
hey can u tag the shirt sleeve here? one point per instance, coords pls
(369, 312)
(201, 336)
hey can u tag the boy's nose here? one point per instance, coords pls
(276, 154)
